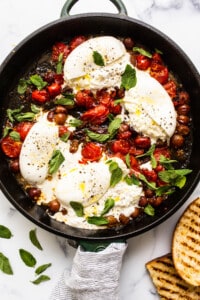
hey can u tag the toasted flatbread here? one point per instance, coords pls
(168, 283)
(186, 244)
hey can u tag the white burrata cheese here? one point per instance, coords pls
(81, 72)
(150, 108)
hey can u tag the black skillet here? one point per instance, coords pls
(31, 48)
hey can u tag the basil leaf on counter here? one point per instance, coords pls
(149, 210)
(78, 208)
(116, 173)
(55, 161)
(142, 51)
(22, 86)
(59, 65)
(34, 239)
(27, 258)
(98, 59)
(42, 268)
(5, 232)
(40, 279)
(5, 266)
(109, 203)
(38, 81)
(99, 221)
(129, 79)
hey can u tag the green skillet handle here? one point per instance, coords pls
(97, 246)
(70, 3)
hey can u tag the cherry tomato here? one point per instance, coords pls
(54, 89)
(124, 135)
(76, 42)
(104, 97)
(122, 146)
(159, 72)
(10, 147)
(59, 48)
(171, 88)
(156, 58)
(41, 96)
(91, 152)
(23, 129)
(142, 62)
(115, 108)
(62, 129)
(59, 78)
(133, 162)
(161, 151)
(150, 175)
(85, 98)
(96, 115)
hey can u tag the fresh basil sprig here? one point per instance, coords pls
(150, 153)
(38, 81)
(18, 115)
(5, 265)
(22, 86)
(27, 258)
(129, 79)
(98, 59)
(56, 160)
(78, 208)
(175, 177)
(42, 268)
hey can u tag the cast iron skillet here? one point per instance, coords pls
(22, 58)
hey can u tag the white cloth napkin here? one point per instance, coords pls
(94, 275)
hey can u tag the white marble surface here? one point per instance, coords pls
(180, 20)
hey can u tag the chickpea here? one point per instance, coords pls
(34, 192)
(112, 220)
(183, 129)
(143, 201)
(123, 219)
(183, 109)
(60, 109)
(60, 118)
(183, 119)
(74, 146)
(54, 205)
(14, 165)
(128, 43)
(50, 116)
(135, 213)
(177, 140)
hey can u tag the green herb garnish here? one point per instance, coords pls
(38, 81)
(78, 208)
(55, 161)
(5, 265)
(109, 203)
(129, 79)
(59, 65)
(22, 86)
(40, 279)
(27, 258)
(98, 59)
(142, 51)
(116, 173)
(175, 177)
(5, 232)
(99, 221)
(149, 210)
(15, 135)
(34, 239)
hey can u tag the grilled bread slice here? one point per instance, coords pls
(186, 244)
(168, 283)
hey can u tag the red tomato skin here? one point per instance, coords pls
(151, 175)
(10, 147)
(85, 98)
(96, 115)
(159, 72)
(171, 88)
(91, 152)
(75, 42)
(143, 62)
(54, 89)
(161, 151)
(121, 146)
(59, 48)
(23, 129)
(41, 96)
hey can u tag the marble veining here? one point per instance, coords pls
(180, 20)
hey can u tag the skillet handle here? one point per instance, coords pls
(70, 3)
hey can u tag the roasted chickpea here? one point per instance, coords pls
(34, 192)
(112, 220)
(60, 109)
(50, 116)
(182, 119)
(183, 129)
(60, 118)
(128, 43)
(143, 201)
(135, 213)
(124, 219)
(14, 165)
(183, 109)
(177, 140)
(73, 146)
(54, 205)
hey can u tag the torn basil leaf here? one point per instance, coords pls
(27, 258)
(149, 210)
(129, 79)
(15, 135)
(116, 173)
(42, 268)
(142, 51)
(34, 240)
(40, 279)
(56, 160)
(5, 232)
(22, 86)
(75, 122)
(99, 221)
(38, 81)
(98, 137)
(109, 203)
(5, 265)
(98, 59)
(175, 177)
(78, 208)
(59, 65)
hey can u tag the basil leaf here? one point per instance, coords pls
(129, 79)
(130, 180)
(22, 86)
(98, 59)
(150, 153)
(127, 160)
(15, 135)
(109, 203)
(65, 101)
(65, 137)
(6, 131)
(55, 161)
(78, 208)
(75, 122)
(142, 51)
(27, 116)
(151, 185)
(166, 189)
(5, 232)
(12, 112)
(38, 81)
(149, 210)
(42, 268)
(166, 162)
(40, 279)
(114, 126)
(27, 258)
(174, 177)
(5, 266)
(99, 137)
(34, 239)
(99, 221)
(35, 109)
(116, 174)
(59, 65)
